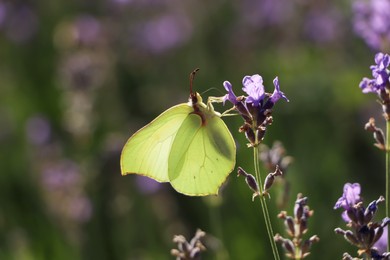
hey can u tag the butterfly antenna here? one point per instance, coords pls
(192, 76)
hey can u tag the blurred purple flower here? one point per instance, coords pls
(350, 197)
(149, 4)
(323, 25)
(146, 185)
(266, 12)
(122, 2)
(38, 130)
(80, 209)
(381, 75)
(87, 29)
(164, 33)
(20, 23)
(372, 21)
(3, 12)
(62, 175)
(63, 182)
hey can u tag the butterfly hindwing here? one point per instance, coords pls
(202, 156)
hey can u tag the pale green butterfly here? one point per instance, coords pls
(188, 145)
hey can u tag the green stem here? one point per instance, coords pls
(387, 173)
(263, 203)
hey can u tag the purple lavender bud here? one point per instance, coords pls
(288, 245)
(308, 243)
(363, 234)
(339, 231)
(299, 208)
(371, 209)
(243, 110)
(252, 183)
(360, 216)
(379, 138)
(377, 132)
(349, 236)
(277, 171)
(289, 223)
(249, 179)
(385, 222)
(303, 226)
(369, 237)
(269, 180)
(370, 125)
(351, 215)
(250, 136)
(260, 133)
(378, 234)
(241, 172)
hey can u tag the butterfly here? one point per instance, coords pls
(188, 145)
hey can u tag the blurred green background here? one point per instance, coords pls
(77, 78)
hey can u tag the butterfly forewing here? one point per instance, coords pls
(147, 151)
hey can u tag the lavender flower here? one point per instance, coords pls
(380, 71)
(350, 197)
(364, 232)
(256, 108)
(381, 75)
(296, 247)
(253, 86)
